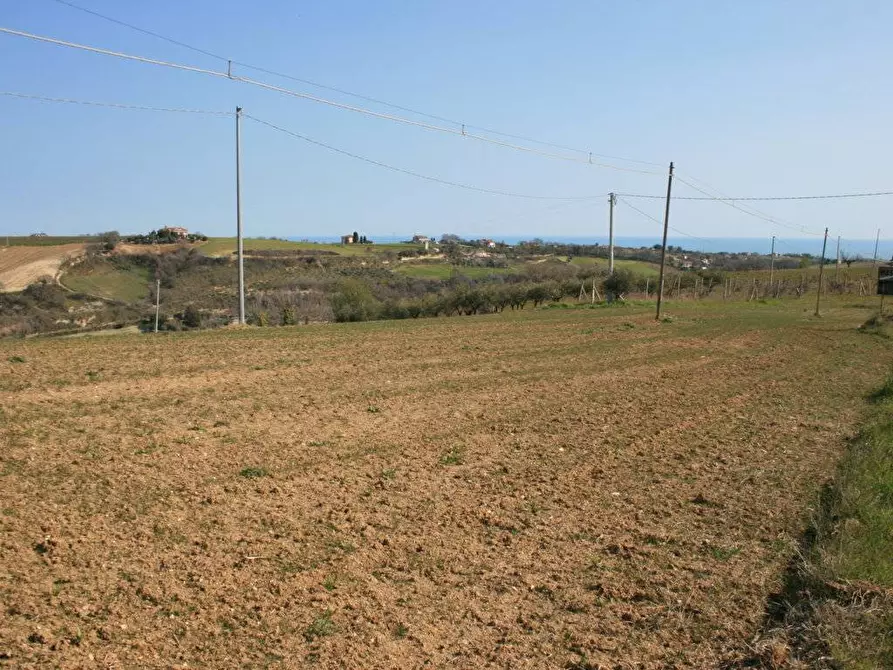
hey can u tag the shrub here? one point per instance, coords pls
(289, 316)
(354, 302)
(622, 281)
(192, 318)
(46, 293)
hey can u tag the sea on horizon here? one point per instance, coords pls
(757, 245)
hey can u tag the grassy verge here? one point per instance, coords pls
(854, 548)
(836, 608)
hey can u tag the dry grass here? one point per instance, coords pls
(550, 489)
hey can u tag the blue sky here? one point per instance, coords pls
(756, 98)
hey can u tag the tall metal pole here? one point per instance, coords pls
(818, 297)
(663, 251)
(772, 263)
(612, 200)
(157, 301)
(876, 241)
(239, 214)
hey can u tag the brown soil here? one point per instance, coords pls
(548, 490)
(131, 249)
(20, 266)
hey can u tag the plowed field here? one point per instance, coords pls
(550, 489)
(20, 266)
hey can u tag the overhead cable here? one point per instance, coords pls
(115, 105)
(658, 221)
(342, 91)
(871, 194)
(306, 96)
(750, 211)
(419, 175)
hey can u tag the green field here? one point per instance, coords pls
(427, 270)
(639, 267)
(109, 282)
(224, 246)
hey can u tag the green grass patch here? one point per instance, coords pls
(642, 268)
(226, 246)
(455, 456)
(857, 543)
(880, 325)
(443, 271)
(108, 281)
(846, 583)
(253, 472)
(321, 626)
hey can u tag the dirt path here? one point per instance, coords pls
(584, 489)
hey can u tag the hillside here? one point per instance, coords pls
(303, 282)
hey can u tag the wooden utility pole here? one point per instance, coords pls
(612, 200)
(837, 270)
(818, 297)
(157, 301)
(663, 251)
(772, 262)
(876, 241)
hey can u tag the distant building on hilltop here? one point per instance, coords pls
(348, 239)
(176, 230)
(421, 239)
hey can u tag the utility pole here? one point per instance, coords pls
(818, 297)
(157, 301)
(837, 270)
(239, 215)
(612, 200)
(663, 251)
(876, 241)
(772, 262)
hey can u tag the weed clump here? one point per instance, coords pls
(453, 457)
(321, 627)
(253, 472)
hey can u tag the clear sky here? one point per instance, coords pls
(767, 97)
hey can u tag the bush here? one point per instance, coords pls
(622, 281)
(354, 302)
(109, 240)
(192, 318)
(46, 293)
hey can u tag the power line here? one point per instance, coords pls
(342, 91)
(872, 194)
(141, 30)
(116, 105)
(749, 211)
(418, 175)
(659, 222)
(463, 131)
